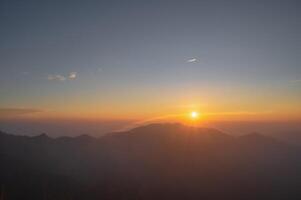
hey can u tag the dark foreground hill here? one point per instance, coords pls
(158, 161)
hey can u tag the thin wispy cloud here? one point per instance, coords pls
(8, 112)
(57, 77)
(73, 75)
(192, 60)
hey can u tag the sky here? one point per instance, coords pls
(111, 64)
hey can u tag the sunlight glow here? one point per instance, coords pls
(194, 115)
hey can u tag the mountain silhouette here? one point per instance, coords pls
(156, 161)
(291, 137)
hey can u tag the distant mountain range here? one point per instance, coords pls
(156, 161)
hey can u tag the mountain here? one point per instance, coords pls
(291, 137)
(156, 161)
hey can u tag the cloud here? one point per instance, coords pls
(72, 75)
(8, 112)
(192, 60)
(56, 77)
(59, 77)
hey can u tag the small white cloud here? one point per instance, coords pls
(56, 78)
(72, 75)
(191, 60)
(60, 77)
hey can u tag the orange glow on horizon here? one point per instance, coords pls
(183, 112)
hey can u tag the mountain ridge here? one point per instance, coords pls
(151, 162)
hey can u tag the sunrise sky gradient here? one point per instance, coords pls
(128, 62)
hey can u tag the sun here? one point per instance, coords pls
(194, 115)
